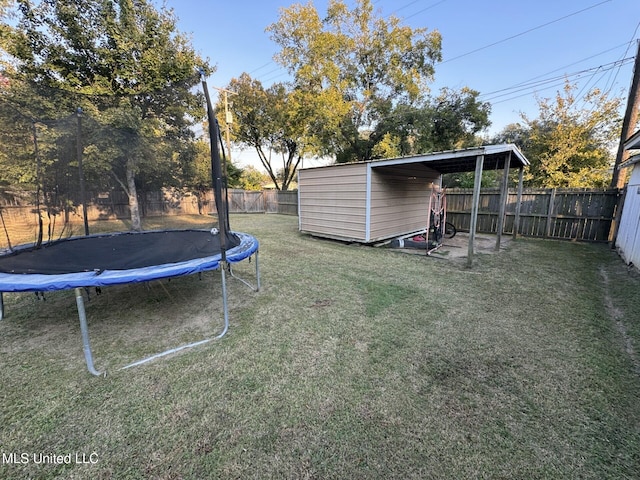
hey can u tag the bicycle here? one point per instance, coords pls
(437, 226)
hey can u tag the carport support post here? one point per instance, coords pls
(516, 221)
(477, 183)
(504, 194)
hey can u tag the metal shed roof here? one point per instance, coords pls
(633, 142)
(455, 161)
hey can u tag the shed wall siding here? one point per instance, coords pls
(332, 201)
(399, 202)
(628, 240)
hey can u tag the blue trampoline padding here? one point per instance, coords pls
(37, 282)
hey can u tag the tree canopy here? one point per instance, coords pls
(356, 65)
(274, 122)
(569, 144)
(450, 120)
(359, 90)
(131, 73)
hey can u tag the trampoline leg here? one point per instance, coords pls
(201, 342)
(257, 272)
(257, 287)
(1, 307)
(85, 333)
(225, 307)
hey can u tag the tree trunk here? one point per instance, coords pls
(134, 208)
(266, 163)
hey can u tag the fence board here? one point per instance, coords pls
(287, 202)
(569, 214)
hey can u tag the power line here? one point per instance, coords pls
(554, 82)
(533, 84)
(625, 52)
(261, 67)
(273, 77)
(575, 63)
(273, 70)
(423, 10)
(525, 32)
(405, 6)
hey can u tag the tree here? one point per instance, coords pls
(568, 145)
(253, 179)
(355, 66)
(273, 121)
(132, 71)
(449, 121)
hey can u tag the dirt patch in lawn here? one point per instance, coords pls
(617, 317)
(458, 246)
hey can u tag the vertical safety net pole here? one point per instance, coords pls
(225, 307)
(257, 271)
(221, 204)
(86, 346)
(427, 234)
(83, 197)
(216, 174)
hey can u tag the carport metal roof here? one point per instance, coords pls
(456, 161)
(504, 156)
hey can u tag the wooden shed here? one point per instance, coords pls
(628, 238)
(380, 199)
(358, 202)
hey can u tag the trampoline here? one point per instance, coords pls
(112, 259)
(120, 258)
(130, 257)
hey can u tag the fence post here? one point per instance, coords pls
(552, 201)
(516, 220)
(615, 221)
(504, 194)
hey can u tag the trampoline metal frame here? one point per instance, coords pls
(84, 329)
(225, 308)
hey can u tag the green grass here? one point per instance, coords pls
(351, 362)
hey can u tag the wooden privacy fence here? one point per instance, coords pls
(115, 204)
(568, 214)
(571, 214)
(264, 201)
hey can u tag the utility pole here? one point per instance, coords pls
(629, 122)
(227, 117)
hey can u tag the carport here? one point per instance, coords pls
(352, 202)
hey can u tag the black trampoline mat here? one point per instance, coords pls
(121, 251)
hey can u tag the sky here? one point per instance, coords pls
(513, 52)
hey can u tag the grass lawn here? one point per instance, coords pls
(351, 362)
